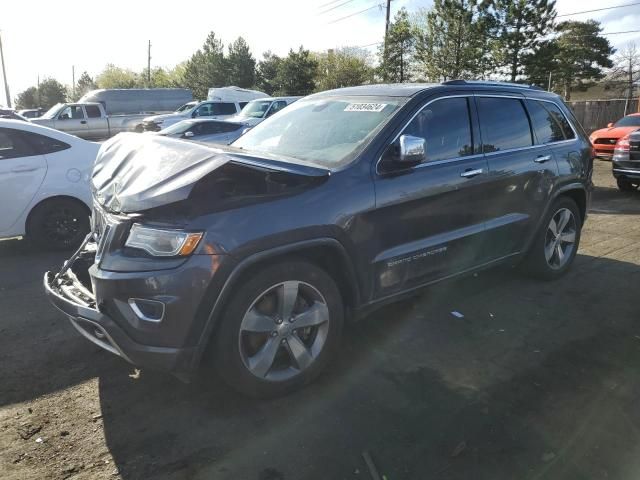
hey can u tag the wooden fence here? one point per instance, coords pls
(595, 114)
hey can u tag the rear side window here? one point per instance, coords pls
(13, 144)
(93, 111)
(545, 126)
(504, 124)
(223, 108)
(446, 127)
(559, 117)
(43, 144)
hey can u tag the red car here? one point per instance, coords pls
(604, 140)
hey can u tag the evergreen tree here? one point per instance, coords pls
(207, 68)
(27, 99)
(241, 64)
(267, 73)
(396, 54)
(343, 67)
(296, 73)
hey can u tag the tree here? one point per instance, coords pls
(625, 73)
(267, 73)
(241, 65)
(296, 73)
(116, 77)
(452, 39)
(51, 92)
(521, 25)
(27, 99)
(84, 84)
(343, 67)
(577, 54)
(206, 68)
(396, 54)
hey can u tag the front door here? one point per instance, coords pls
(73, 120)
(22, 171)
(428, 218)
(522, 172)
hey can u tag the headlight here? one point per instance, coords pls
(163, 243)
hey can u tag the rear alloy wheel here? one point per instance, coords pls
(625, 185)
(556, 244)
(279, 329)
(58, 224)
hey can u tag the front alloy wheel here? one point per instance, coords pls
(560, 239)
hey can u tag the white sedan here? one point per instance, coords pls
(44, 184)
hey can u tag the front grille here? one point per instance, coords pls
(605, 141)
(151, 127)
(103, 226)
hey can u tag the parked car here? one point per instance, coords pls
(215, 109)
(88, 120)
(604, 140)
(31, 112)
(8, 113)
(257, 253)
(626, 162)
(44, 184)
(206, 130)
(234, 94)
(257, 110)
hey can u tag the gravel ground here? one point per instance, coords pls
(537, 380)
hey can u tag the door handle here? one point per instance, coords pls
(83, 122)
(24, 169)
(542, 158)
(471, 173)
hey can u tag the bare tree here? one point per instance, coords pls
(625, 73)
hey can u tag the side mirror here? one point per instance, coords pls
(610, 124)
(412, 149)
(188, 134)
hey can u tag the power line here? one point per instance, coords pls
(598, 9)
(353, 14)
(335, 6)
(320, 7)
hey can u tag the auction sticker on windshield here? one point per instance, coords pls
(365, 107)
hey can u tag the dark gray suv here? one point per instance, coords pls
(251, 257)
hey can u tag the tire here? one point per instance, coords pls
(58, 224)
(260, 362)
(538, 262)
(625, 185)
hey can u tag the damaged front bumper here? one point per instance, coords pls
(111, 324)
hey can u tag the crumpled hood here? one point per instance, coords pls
(135, 172)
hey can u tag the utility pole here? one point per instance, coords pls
(4, 76)
(549, 86)
(386, 34)
(73, 81)
(149, 65)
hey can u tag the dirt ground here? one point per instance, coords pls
(537, 380)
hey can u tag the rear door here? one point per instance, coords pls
(97, 125)
(428, 219)
(22, 170)
(73, 120)
(522, 173)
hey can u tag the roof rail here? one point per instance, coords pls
(491, 83)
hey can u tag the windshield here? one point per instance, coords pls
(255, 109)
(177, 128)
(628, 121)
(185, 107)
(328, 131)
(53, 111)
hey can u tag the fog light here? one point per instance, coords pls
(149, 310)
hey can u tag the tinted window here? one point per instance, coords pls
(43, 144)
(223, 108)
(545, 126)
(559, 117)
(504, 124)
(629, 121)
(14, 145)
(242, 104)
(93, 111)
(204, 111)
(210, 128)
(276, 107)
(445, 126)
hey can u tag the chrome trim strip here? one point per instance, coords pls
(136, 309)
(110, 345)
(623, 170)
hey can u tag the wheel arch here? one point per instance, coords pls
(49, 199)
(327, 253)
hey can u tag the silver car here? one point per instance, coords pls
(206, 130)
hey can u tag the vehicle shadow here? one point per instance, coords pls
(610, 200)
(534, 380)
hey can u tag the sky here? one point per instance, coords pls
(47, 37)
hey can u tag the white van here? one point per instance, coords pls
(221, 103)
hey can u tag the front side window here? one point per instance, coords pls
(72, 112)
(446, 127)
(276, 107)
(204, 110)
(504, 124)
(13, 145)
(325, 131)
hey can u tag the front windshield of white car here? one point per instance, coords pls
(255, 109)
(185, 107)
(53, 111)
(327, 131)
(176, 128)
